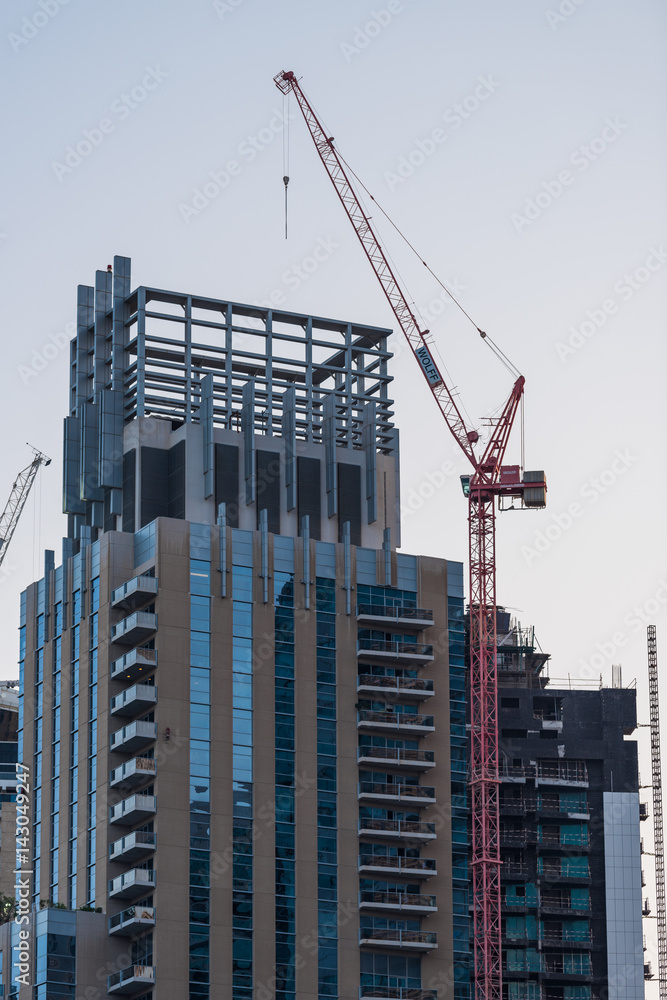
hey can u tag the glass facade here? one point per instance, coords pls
(200, 761)
(242, 767)
(327, 824)
(91, 777)
(283, 584)
(458, 741)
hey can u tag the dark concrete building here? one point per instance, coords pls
(569, 833)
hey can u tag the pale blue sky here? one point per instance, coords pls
(553, 84)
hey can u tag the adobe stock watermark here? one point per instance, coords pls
(366, 33)
(591, 492)
(625, 288)
(219, 180)
(565, 9)
(413, 501)
(635, 621)
(454, 117)
(121, 108)
(581, 159)
(295, 276)
(225, 7)
(41, 357)
(32, 24)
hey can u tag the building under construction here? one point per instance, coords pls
(569, 832)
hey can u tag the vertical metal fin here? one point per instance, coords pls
(289, 435)
(207, 423)
(264, 532)
(305, 536)
(248, 430)
(222, 525)
(347, 553)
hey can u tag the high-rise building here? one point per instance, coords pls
(569, 832)
(242, 710)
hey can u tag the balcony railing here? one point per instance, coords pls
(132, 847)
(558, 903)
(406, 652)
(388, 937)
(399, 721)
(555, 966)
(134, 665)
(132, 593)
(398, 828)
(564, 772)
(131, 980)
(138, 698)
(395, 993)
(133, 772)
(404, 901)
(515, 869)
(565, 936)
(136, 882)
(403, 687)
(133, 920)
(559, 873)
(384, 613)
(417, 794)
(136, 736)
(134, 809)
(134, 628)
(415, 759)
(561, 838)
(391, 864)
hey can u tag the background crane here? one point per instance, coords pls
(17, 498)
(656, 781)
(490, 480)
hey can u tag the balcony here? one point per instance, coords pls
(135, 628)
(134, 665)
(406, 688)
(131, 980)
(132, 921)
(394, 651)
(566, 938)
(396, 829)
(138, 698)
(561, 840)
(395, 993)
(405, 902)
(401, 617)
(556, 904)
(395, 722)
(129, 885)
(516, 870)
(136, 736)
(135, 809)
(554, 967)
(130, 595)
(413, 760)
(566, 873)
(418, 795)
(391, 938)
(135, 846)
(392, 865)
(572, 773)
(133, 772)
(643, 810)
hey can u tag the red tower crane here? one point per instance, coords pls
(490, 480)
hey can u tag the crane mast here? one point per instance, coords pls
(490, 480)
(17, 498)
(656, 781)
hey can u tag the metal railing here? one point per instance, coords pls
(395, 993)
(144, 620)
(396, 791)
(399, 936)
(395, 647)
(398, 613)
(395, 719)
(397, 754)
(395, 683)
(137, 839)
(557, 872)
(144, 973)
(399, 900)
(131, 913)
(141, 877)
(399, 826)
(397, 864)
(564, 770)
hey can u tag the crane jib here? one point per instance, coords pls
(428, 365)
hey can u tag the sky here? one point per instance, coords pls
(517, 146)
